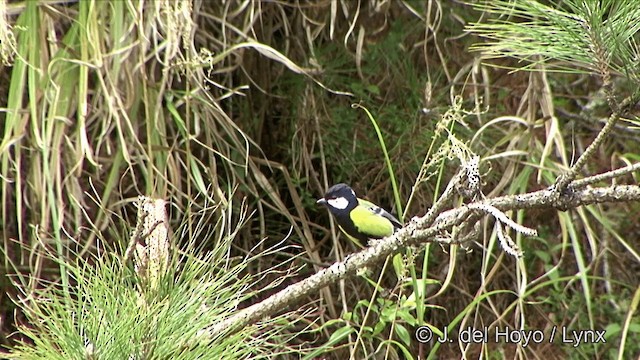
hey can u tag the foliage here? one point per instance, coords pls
(107, 313)
(250, 106)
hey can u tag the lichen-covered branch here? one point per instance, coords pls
(415, 233)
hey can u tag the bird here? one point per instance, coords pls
(359, 219)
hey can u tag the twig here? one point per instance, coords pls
(603, 59)
(445, 197)
(605, 176)
(566, 178)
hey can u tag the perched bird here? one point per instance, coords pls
(359, 219)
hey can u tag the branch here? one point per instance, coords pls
(602, 58)
(417, 232)
(605, 176)
(565, 179)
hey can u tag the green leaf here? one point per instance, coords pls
(403, 334)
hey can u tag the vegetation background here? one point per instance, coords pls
(239, 114)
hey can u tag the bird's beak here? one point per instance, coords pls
(322, 201)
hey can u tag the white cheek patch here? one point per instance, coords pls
(338, 203)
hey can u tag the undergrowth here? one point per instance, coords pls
(259, 107)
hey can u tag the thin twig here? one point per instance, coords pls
(564, 180)
(448, 193)
(605, 176)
